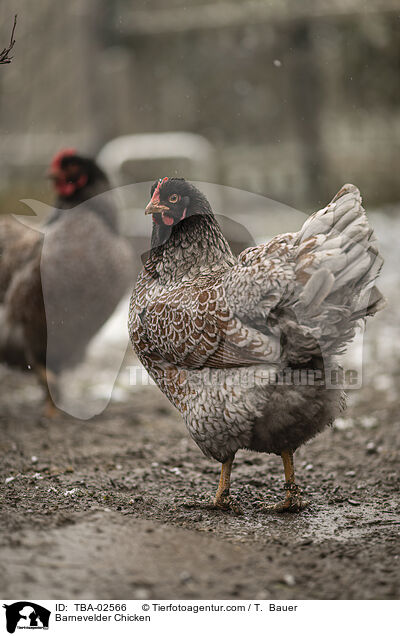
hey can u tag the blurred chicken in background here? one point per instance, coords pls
(60, 285)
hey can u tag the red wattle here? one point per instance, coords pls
(167, 220)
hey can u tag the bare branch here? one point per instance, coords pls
(5, 57)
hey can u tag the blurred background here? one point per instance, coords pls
(294, 99)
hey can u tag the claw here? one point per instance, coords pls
(226, 502)
(288, 506)
(293, 501)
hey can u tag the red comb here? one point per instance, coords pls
(57, 159)
(156, 194)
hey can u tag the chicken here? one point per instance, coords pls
(59, 286)
(227, 339)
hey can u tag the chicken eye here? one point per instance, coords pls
(173, 198)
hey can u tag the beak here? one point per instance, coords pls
(153, 208)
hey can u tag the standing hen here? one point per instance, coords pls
(59, 286)
(217, 332)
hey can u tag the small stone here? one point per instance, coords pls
(142, 593)
(368, 421)
(353, 502)
(289, 580)
(185, 577)
(342, 423)
(70, 493)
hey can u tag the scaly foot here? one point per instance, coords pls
(222, 501)
(293, 501)
(226, 502)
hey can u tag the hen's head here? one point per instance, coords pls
(173, 200)
(72, 172)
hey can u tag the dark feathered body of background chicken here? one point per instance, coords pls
(213, 330)
(59, 286)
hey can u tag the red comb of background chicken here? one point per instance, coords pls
(57, 159)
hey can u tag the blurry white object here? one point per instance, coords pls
(195, 149)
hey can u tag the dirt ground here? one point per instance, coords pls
(117, 507)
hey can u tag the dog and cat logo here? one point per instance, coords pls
(26, 615)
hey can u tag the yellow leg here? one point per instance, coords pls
(47, 378)
(288, 466)
(222, 499)
(293, 501)
(50, 410)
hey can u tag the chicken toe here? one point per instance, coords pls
(293, 501)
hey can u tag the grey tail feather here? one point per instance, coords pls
(337, 266)
(356, 251)
(376, 302)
